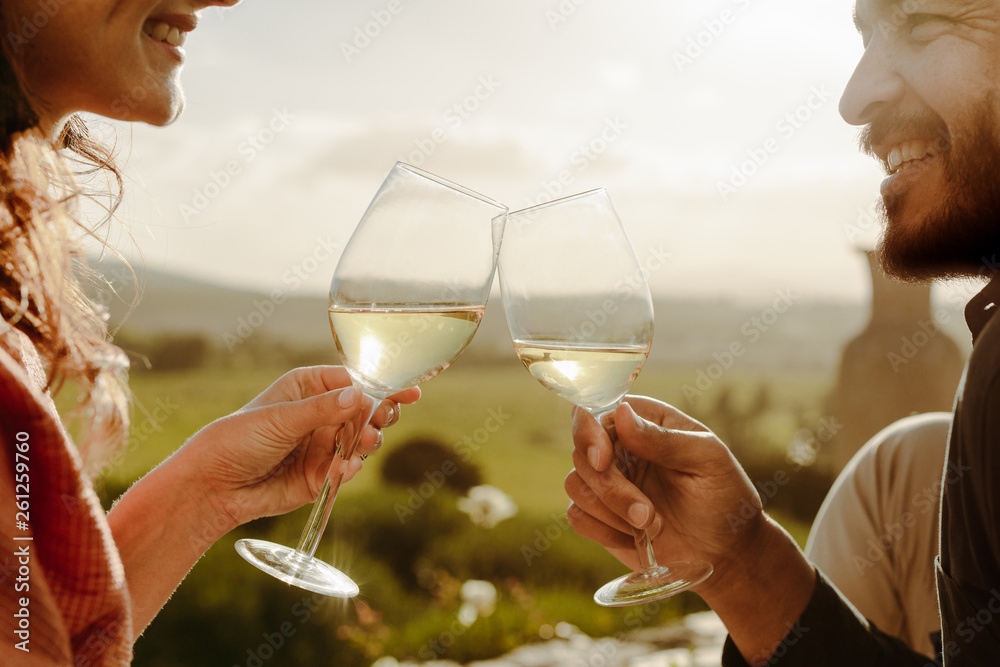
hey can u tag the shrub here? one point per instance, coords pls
(424, 458)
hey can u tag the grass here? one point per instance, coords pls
(506, 423)
(518, 435)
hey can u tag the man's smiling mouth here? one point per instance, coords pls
(909, 153)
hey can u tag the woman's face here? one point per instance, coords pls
(116, 58)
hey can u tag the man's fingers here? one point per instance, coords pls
(616, 493)
(691, 452)
(591, 440)
(663, 414)
(594, 529)
(588, 501)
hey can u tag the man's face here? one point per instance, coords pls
(928, 90)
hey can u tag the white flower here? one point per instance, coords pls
(479, 599)
(487, 505)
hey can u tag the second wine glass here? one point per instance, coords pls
(581, 319)
(406, 299)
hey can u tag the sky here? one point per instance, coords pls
(713, 125)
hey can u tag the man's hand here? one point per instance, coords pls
(697, 504)
(690, 481)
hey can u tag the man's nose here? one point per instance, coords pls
(875, 86)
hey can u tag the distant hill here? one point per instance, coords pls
(784, 333)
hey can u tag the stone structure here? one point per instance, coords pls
(902, 363)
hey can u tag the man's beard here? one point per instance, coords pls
(961, 235)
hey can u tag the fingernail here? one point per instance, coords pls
(655, 528)
(347, 397)
(393, 415)
(345, 439)
(638, 513)
(594, 456)
(635, 417)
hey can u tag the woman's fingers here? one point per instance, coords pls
(386, 414)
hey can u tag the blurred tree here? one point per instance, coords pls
(424, 459)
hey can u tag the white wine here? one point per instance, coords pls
(393, 348)
(592, 376)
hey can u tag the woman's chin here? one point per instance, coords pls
(152, 112)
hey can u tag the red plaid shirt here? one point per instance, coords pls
(62, 585)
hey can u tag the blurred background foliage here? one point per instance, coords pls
(397, 527)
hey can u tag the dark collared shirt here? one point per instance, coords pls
(831, 632)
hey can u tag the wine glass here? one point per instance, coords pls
(581, 319)
(406, 299)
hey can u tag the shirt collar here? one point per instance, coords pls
(982, 307)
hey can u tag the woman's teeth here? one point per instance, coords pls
(164, 32)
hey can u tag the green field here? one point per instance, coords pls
(519, 436)
(526, 450)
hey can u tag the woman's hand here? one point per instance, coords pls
(267, 458)
(273, 455)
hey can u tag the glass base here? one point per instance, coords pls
(654, 583)
(296, 568)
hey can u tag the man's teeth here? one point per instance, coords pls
(164, 32)
(903, 155)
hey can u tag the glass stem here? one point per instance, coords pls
(629, 466)
(347, 442)
(644, 547)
